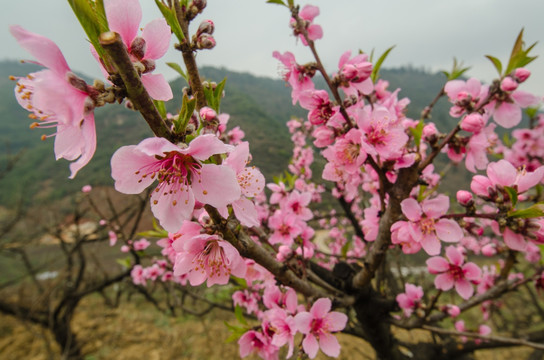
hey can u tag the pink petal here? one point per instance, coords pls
(502, 172)
(321, 307)
(315, 32)
(436, 207)
(309, 12)
(448, 230)
(303, 322)
(171, 209)
(437, 264)
(125, 162)
(157, 87)
(336, 321)
(124, 17)
(310, 346)
(514, 241)
(156, 146)
(197, 277)
(507, 115)
(157, 39)
(443, 281)
(204, 146)
(472, 271)
(246, 212)
(431, 244)
(238, 158)
(44, 50)
(251, 181)
(217, 185)
(184, 264)
(68, 142)
(530, 179)
(464, 288)
(525, 99)
(329, 344)
(89, 138)
(411, 209)
(455, 256)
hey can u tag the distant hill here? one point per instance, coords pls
(260, 106)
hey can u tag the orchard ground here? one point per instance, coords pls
(138, 331)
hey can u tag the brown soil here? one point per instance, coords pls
(138, 331)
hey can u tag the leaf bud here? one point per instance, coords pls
(205, 27)
(205, 41)
(138, 47)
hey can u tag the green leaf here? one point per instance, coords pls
(218, 93)
(534, 211)
(237, 332)
(154, 234)
(507, 141)
(519, 56)
(346, 247)
(172, 20)
(513, 194)
(532, 112)
(179, 70)
(456, 71)
(125, 262)
(496, 62)
(240, 281)
(187, 108)
(418, 132)
(93, 21)
(239, 313)
(160, 107)
(279, 2)
(378, 64)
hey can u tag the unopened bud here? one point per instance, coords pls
(149, 65)
(522, 74)
(473, 123)
(488, 250)
(481, 185)
(137, 48)
(464, 198)
(76, 81)
(205, 27)
(200, 4)
(207, 114)
(508, 84)
(205, 41)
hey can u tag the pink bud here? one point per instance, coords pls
(102, 222)
(125, 249)
(207, 114)
(349, 71)
(429, 130)
(464, 198)
(205, 27)
(488, 250)
(472, 122)
(205, 41)
(86, 189)
(454, 311)
(522, 74)
(508, 84)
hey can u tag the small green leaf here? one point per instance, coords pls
(421, 195)
(187, 108)
(417, 132)
(378, 64)
(218, 93)
(346, 247)
(178, 69)
(496, 62)
(237, 332)
(519, 56)
(240, 281)
(124, 262)
(532, 112)
(534, 211)
(512, 194)
(154, 234)
(279, 2)
(92, 18)
(507, 140)
(160, 107)
(239, 313)
(172, 20)
(456, 71)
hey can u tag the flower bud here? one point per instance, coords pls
(76, 81)
(508, 84)
(149, 65)
(464, 198)
(473, 123)
(488, 250)
(205, 41)
(137, 47)
(454, 311)
(522, 74)
(207, 114)
(205, 27)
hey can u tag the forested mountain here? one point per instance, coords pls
(260, 106)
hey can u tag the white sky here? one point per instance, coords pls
(427, 33)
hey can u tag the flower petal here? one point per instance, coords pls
(411, 209)
(245, 212)
(157, 87)
(126, 163)
(437, 264)
(124, 17)
(157, 39)
(329, 344)
(321, 308)
(464, 288)
(44, 50)
(217, 185)
(310, 345)
(448, 230)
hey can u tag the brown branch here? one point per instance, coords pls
(137, 94)
(499, 339)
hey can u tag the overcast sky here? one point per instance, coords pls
(427, 33)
